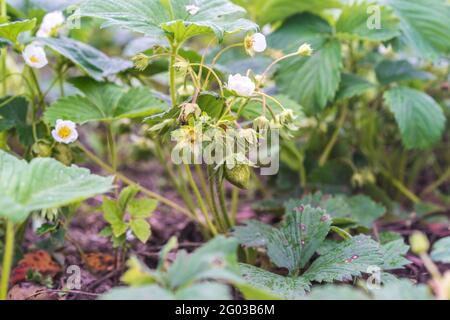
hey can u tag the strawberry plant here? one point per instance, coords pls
(293, 149)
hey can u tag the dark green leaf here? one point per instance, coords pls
(420, 118)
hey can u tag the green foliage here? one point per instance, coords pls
(400, 70)
(393, 254)
(420, 118)
(92, 61)
(301, 234)
(355, 20)
(318, 76)
(360, 209)
(440, 251)
(138, 209)
(351, 258)
(13, 115)
(397, 290)
(424, 26)
(269, 11)
(43, 183)
(104, 102)
(353, 86)
(11, 30)
(199, 275)
(283, 287)
(155, 18)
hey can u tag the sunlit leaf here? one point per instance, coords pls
(11, 30)
(156, 18)
(43, 183)
(104, 102)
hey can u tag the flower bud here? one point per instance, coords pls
(141, 61)
(419, 243)
(187, 110)
(286, 116)
(305, 50)
(261, 123)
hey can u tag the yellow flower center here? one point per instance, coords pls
(64, 132)
(248, 43)
(34, 59)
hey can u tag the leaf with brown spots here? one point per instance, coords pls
(99, 262)
(38, 261)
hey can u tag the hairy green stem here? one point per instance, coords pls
(326, 153)
(7, 259)
(201, 204)
(173, 91)
(222, 202)
(234, 204)
(181, 191)
(219, 220)
(112, 147)
(444, 177)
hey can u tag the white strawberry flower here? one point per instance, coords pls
(241, 85)
(35, 56)
(192, 9)
(255, 43)
(50, 24)
(65, 132)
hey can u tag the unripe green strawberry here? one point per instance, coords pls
(239, 175)
(63, 154)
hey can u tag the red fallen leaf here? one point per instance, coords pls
(99, 262)
(38, 261)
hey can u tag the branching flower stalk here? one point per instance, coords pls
(210, 196)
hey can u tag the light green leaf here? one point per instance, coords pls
(353, 86)
(336, 292)
(393, 71)
(284, 287)
(351, 258)
(104, 102)
(394, 255)
(155, 18)
(126, 195)
(394, 290)
(141, 229)
(142, 208)
(114, 216)
(94, 62)
(149, 292)
(205, 291)
(215, 260)
(402, 290)
(269, 11)
(43, 183)
(420, 118)
(311, 81)
(11, 30)
(357, 21)
(441, 250)
(424, 26)
(138, 274)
